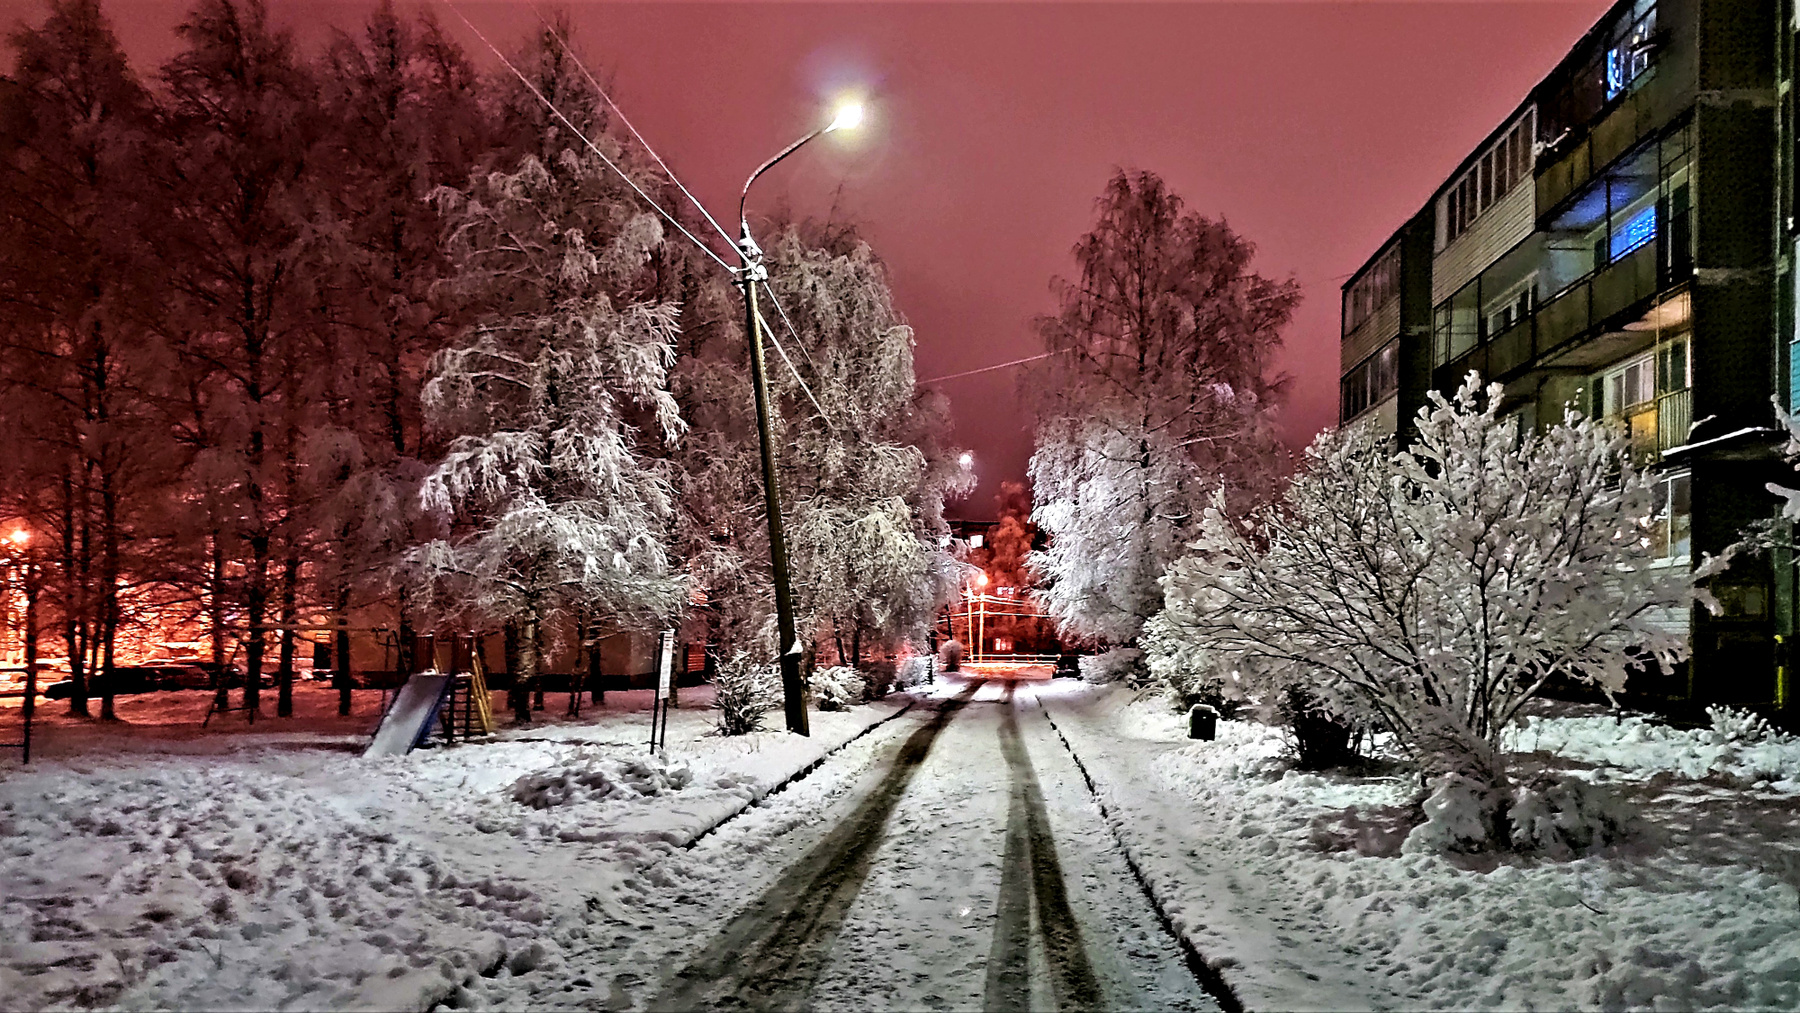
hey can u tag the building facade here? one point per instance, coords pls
(1623, 243)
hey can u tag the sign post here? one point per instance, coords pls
(659, 707)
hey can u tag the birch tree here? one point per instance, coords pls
(1159, 392)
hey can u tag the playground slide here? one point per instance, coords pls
(408, 721)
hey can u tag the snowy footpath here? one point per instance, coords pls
(267, 868)
(1293, 884)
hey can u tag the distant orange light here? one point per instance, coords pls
(981, 580)
(20, 537)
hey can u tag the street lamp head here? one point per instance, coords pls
(19, 537)
(967, 460)
(849, 115)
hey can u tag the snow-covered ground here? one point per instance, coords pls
(275, 868)
(1293, 883)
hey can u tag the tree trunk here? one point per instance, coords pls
(340, 649)
(78, 683)
(290, 593)
(526, 676)
(595, 689)
(216, 608)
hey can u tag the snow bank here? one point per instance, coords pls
(1295, 883)
(273, 874)
(1639, 747)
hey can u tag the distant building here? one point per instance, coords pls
(1624, 242)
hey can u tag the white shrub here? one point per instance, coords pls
(1111, 666)
(1732, 724)
(743, 690)
(837, 687)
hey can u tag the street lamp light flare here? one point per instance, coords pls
(849, 115)
(967, 460)
(19, 537)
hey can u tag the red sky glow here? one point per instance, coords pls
(1313, 128)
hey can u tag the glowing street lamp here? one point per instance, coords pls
(752, 271)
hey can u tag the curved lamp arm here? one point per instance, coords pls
(847, 117)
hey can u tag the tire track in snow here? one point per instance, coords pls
(1032, 880)
(1203, 971)
(769, 956)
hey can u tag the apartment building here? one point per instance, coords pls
(1624, 242)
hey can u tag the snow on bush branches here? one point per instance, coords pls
(1441, 586)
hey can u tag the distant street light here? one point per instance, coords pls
(967, 460)
(793, 688)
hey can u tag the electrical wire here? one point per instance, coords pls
(614, 106)
(761, 323)
(770, 332)
(672, 220)
(988, 369)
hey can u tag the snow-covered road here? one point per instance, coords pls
(964, 866)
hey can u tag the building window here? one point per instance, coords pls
(1512, 308)
(1629, 57)
(1370, 292)
(1373, 381)
(1625, 387)
(1634, 232)
(1670, 526)
(1501, 167)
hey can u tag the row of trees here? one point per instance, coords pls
(289, 336)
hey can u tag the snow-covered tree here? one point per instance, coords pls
(1441, 586)
(78, 395)
(1159, 392)
(863, 482)
(552, 404)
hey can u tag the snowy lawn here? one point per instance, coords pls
(157, 866)
(1294, 884)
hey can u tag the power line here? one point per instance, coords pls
(766, 329)
(584, 138)
(614, 106)
(988, 369)
(646, 197)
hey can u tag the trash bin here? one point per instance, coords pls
(1203, 722)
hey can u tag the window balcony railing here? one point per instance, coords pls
(1462, 339)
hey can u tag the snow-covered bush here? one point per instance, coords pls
(1125, 663)
(1459, 814)
(744, 690)
(913, 670)
(837, 687)
(596, 779)
(1733, 724)
(1443, 585)
(1185, 670)
(1564, 817)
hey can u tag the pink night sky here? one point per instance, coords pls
(1313, 128)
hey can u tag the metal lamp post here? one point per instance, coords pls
(753, 271)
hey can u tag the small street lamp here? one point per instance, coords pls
(793, 688)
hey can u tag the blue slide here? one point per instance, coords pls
(408, 721)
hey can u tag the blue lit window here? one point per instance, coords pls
(1634, 232)
(1630, 56)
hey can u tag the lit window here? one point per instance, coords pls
(1630, 57)
(975, 541)
(1637, 230)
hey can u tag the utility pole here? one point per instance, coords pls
(749, 275)
(793, 688)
